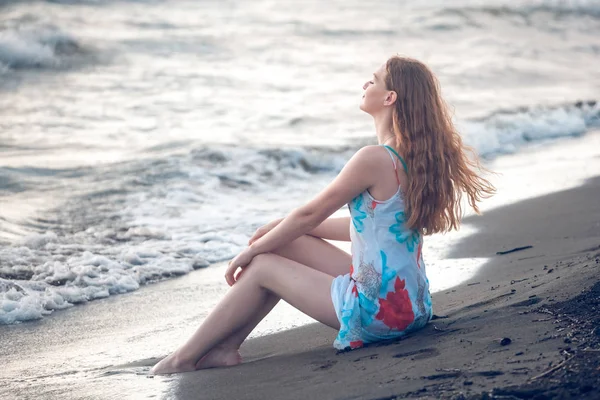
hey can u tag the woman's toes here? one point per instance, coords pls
(172, 364)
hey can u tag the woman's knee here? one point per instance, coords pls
(318, 254)
(293, 246)
(257, 269)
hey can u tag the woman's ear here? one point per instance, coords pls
(390, 98)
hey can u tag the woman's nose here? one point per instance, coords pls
(366, 85)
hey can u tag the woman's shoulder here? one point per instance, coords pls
(373, 154)
(373, 159)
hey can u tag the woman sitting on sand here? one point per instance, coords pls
(407, 186)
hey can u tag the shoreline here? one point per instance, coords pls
(47, 360)
(500, 301)
(460, 353)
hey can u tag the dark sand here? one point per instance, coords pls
(528, 296)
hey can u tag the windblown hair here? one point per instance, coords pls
(439, 169)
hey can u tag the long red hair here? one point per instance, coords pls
(439, 169)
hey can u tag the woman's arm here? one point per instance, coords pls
(357, 176)
(333, 229)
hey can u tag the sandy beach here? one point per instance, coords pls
(499, 334)
(515, 328)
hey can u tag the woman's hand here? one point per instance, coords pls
(240, 261)
(260, 232)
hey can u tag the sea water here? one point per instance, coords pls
(142, 140)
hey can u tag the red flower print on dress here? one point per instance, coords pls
(356, 344)
(371, 208)
(396, 309)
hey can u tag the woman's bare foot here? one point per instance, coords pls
(220, 357)
(172, 364)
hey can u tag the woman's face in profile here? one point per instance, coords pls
(375, 92)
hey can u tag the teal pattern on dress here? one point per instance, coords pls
(403, 235)
(346, 316)
(369, 306)
(360, 215)
(387, 274)
(350, 322)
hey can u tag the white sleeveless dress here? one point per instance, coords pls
(386, 294)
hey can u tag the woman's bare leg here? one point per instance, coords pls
(303, 287)
(227, 352)
(308, 250)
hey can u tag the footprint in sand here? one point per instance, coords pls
(326, 365)
(525, 303)
(419, 354)
(370, 357)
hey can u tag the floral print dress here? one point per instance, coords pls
(386, 293)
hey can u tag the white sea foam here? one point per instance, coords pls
(204, 215)
(62, 281)
(507, 131)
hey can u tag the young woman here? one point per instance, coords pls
(407, 186)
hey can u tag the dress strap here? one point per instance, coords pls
(397, 155)
(395, 167)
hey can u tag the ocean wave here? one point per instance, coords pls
(505, 131)
(151, 220)
(40, 47)
(45, 273)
